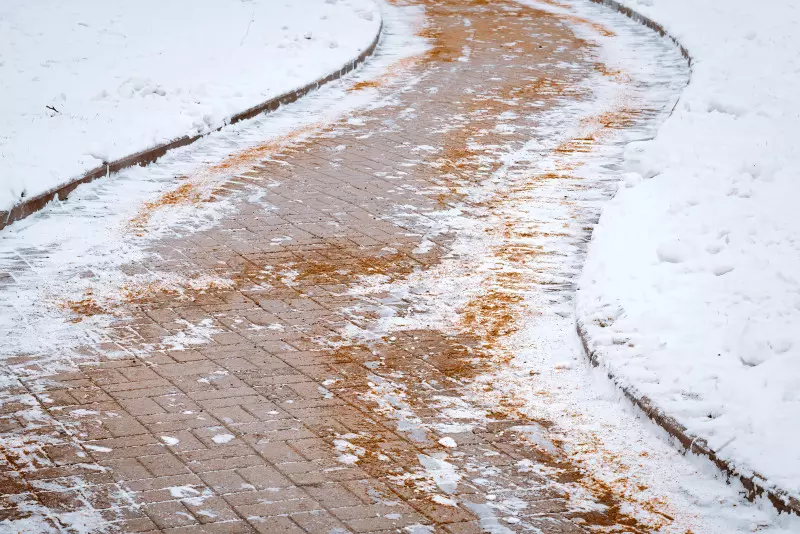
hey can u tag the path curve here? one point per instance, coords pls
(373, 337)
(152, 154)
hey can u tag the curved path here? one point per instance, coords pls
(375, 337)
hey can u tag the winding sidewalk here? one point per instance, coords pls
(337, 362)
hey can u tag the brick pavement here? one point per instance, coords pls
(279, 422)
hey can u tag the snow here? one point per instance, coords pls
(449, 442)
(586, 409)
(180, 492)
(691, 292)
(443, 473)
(348, 459)
(169, 440)
(86, 82)
(222, 438)
(97, 448)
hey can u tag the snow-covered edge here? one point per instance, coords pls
(755, 484)
(150, 155)
(646, 21)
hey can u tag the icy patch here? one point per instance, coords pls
(448, 442)
(488, 520)
(444, 474)
(537, 435)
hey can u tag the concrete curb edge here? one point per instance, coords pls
(755, 484)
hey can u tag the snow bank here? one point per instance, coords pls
(691, 292)
(86, 81)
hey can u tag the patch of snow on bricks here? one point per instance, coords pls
(222, 438)
(443, 473)
(170, 440)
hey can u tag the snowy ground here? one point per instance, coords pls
(85, 82)
(691, 291)
(57, 254)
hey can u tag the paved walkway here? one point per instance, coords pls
(300, 410)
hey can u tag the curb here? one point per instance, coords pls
(755, 484)
(645, 21)
(150, 155)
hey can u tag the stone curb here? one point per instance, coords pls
(645, 21)
(150, 155)
(755, 484)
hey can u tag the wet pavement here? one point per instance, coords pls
(333, 366)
